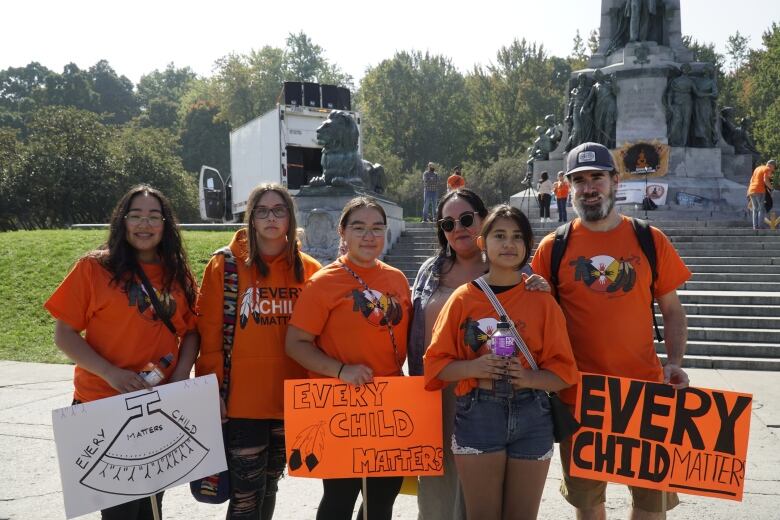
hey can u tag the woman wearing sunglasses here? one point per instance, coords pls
(351, 323)
(458, 261)
(271, 273)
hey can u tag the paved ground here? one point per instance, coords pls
(30, 483)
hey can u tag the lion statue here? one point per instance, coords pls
(341, 161)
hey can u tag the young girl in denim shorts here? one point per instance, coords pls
(503, 435)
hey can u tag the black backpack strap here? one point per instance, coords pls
(645, 238)
(558, 249)
(229, 305)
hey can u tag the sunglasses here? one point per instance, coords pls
(466, 220)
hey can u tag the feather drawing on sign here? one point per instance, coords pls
(176, 454)
(308, 447)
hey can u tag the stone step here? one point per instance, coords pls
(763, 311)
(700, 259)
(730, 321)
(736, 276)
(731, 286)
(765, 336)
(733, 268)
(730, 298)
(728, 363)
(731, 348)
(719, 238)
(738, 246)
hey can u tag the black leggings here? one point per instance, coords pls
(544, 205)
(140, 509)
(340, 494)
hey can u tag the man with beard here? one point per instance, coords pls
(605, 287)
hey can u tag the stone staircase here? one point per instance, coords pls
(732, 299)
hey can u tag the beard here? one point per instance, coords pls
(595, 212)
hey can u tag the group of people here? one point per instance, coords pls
(431, 188)
(546, 190)
(135, 300)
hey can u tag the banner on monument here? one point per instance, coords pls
(650, 435)
(389, 427)
(134, 445)
(635, 192)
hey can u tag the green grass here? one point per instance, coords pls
(33, 263)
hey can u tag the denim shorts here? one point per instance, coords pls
(504, 419)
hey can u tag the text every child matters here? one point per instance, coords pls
(650, 435)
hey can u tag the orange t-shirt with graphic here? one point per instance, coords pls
(762, 176)
(561, 189)
(604, 291)
(348, 323)
(468, 319)
(259, 364)
(455, 182)
(120, 322)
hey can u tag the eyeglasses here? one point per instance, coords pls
(262, 212)
(360, 230)
(152, 221)
(466, 220)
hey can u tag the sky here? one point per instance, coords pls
(143, 35)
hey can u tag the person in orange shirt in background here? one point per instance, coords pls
(760, 185)
(271, 275)
(604, 288)
(503, 437)
(561, 190)
(351, 323)
(456, 180)
(105, 296)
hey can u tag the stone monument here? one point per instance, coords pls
(643, 80)
(345, 175)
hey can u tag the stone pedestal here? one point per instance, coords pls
(695, 162)
(552, 167)
(641, 113)
(318, 210)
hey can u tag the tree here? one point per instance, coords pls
(72, 88)
(169, 84)
(510, 97)
(498, 181)
(760, 92)
(738, 50)
(204, 139)
(22, 88)
(593, 41)
(579, 55)
(305, 61)
(115, 96)
(415, 108)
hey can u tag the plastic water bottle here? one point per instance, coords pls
(502, 343)
(153, 374)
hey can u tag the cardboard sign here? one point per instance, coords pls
(131, 446)
(389, 427)
(635, 192)
(650, 435)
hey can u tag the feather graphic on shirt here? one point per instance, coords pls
(246, 306)
(256, 306)
(308, 447)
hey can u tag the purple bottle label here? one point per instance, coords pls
(503, 345)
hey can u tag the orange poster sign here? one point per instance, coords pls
(650, 435)
(389, 427)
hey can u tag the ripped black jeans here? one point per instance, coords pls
(256, 460)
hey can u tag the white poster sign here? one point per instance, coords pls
(634, 192)
(134, 445)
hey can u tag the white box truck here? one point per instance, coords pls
(279, 146)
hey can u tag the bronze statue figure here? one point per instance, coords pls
(705, 115)
(679, 106)
(601, 107)
(637, 21)
(579, 126)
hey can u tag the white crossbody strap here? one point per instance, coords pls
(502, 314)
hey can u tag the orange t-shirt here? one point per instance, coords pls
(455, 182)
(259, 364)
(121, 325)
(468, 320)
(561, 189)
(761, 177)
(345, 320)
(604, 290)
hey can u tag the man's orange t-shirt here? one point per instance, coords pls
(561, 189)
(455, 182)
(121, 325)
(762, 176)
(604, 291)
(468, 319)
(259, 364)
(347, 324)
